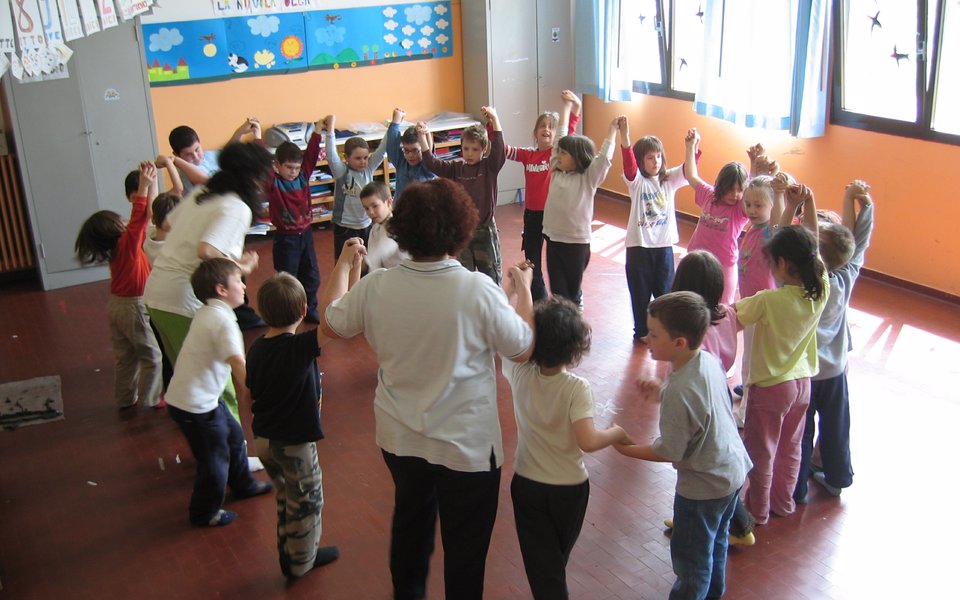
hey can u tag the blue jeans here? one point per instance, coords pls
(294, 253)
(220, 449)
(698, 546)
(830, 399)
(649, 273)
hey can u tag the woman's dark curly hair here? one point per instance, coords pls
(243, 170)
(562, 336)
(434, 218)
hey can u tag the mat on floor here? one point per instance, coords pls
(30, 402)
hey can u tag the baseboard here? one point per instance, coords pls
(865, 272)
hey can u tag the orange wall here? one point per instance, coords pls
(918, 213)
(352, 94)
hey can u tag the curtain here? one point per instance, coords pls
(765, 64)
(598, 65)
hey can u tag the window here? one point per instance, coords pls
(662, 45)
(891, 72)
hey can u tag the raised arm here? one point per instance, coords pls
(518, 291)
(394, 149)
(337, 168)
(497, 155)
(565, 109)
(250, 125)
(856, 191)
(692, 144)
(339, 281)
(575, 107)
(779, 184)
(628, 160)
(176, 184)
(312, 154)
(798, 195)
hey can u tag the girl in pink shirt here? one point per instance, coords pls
(722, 216)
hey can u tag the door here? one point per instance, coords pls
(554, 52)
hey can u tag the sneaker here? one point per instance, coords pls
(668, 523)
(747, 539)
(738, 390)
(254, 464)
(223, 517)
(161, 403)
(820, 478)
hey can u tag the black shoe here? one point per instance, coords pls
(223, 517)
(326, 555)
(738, 390)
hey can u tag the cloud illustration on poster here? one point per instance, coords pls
(407, 44)
(165, 39)
(331, 34)
(408, 30)
(391, 25)
(264, 25)
(442, 39)
(390, 38)
(389, 12)
(440, 9)
(426, 30)
(418, 14)
(424, 42)
(442, 23)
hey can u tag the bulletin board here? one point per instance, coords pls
(252, 45)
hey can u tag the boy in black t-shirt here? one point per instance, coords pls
(284, 384)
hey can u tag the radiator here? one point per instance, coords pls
(16, 251)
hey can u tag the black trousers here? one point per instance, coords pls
(649, 273)
(549, 518)
(532, 244)
(565, 266)
(467, 506)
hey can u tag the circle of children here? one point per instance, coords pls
(795, 283)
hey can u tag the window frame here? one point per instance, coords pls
(922, 127)
(665, 89)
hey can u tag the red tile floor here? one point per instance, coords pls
(88, 511)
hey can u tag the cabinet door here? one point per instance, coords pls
(77, 138)
(554, 52)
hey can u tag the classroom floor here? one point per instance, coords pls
(95, 506)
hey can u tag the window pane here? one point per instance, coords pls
(946, 102)
(880, 58)
(640, 42)
(688, 45)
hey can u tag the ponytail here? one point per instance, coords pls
(797, 246)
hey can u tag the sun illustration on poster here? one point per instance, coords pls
(291, 47)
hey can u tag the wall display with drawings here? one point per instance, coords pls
(243, 46)
(39, 30)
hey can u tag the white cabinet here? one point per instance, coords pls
(517, 57)
(76, 139)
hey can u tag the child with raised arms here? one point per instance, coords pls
(783, 359)
(291, 213)
(652, 225)
(576, 171)
(722, 216)
(536, 178)
(105, 237)
(351, 173)
(404, 153)
(554, 410)
(477, 173)
(843, 248)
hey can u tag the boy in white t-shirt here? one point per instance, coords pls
(554, 413)
(382, 250)
(211, 352)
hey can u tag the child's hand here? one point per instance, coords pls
(398, 114)
(353, 252)
(780, 183)
(489, 113)
(623, 125)
(570, 97)
(519, 275)
(254, 125)
(329, 123)
(148, 177)
(692, 138)
(764, 165)
(755, 151)
(422, 128)
(798, 194)
(164, 161)
(649, 385)
(249, 262)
